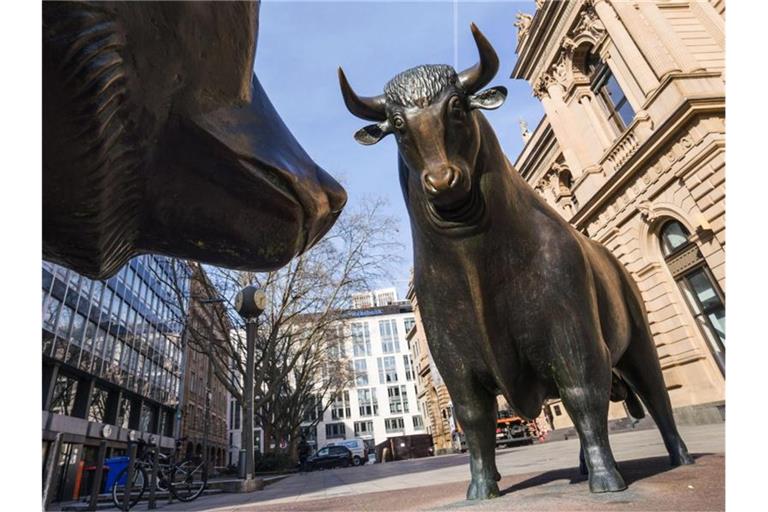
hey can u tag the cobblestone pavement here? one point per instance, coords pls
(538, 477)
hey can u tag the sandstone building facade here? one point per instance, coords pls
(205, 398)
(631, 151)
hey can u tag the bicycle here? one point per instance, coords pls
(186, 480)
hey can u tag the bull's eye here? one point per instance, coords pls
(455, 106)
(399, 123)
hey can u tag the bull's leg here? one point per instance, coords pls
(641, 369)
(582, 462)
(584, 381)
(475, 408)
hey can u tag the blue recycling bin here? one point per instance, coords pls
(115, 465)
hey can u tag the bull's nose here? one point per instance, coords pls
(441, 180)
(326, 207)
(337, 196)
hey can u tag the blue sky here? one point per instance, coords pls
(301, 44)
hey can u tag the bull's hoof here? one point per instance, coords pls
(606, 481)
(482, 489)
(682, 458)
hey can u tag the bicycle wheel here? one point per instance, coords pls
(189, 479)
(138, 486)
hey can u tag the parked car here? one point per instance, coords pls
(357, 447)
(330, 457)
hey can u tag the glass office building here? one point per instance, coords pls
(112, 361)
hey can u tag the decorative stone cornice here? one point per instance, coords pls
(523, 24)
(587, 29)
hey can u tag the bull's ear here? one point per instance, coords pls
(371, 134)
(488, 99)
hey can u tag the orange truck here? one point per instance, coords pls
(511, 430)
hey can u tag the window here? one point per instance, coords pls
(673, 236)
(557, 410)
(363, 428)
(394, 424)
(336, 348)
(145, 421)
(361, 372)
(408, 364)
(614, 101)
(366, 399)
(333, 430)
(50, 310)
(398, 399)
(409, 323)
(705, 299)
(313, 409)
(389, 337)
(418, 422)
(340, 407)
(97, 410)
(361, 339)
(124, 412)
(387, 370)
(63, 395)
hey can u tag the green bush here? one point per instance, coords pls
(273, 462)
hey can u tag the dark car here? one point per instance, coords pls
(330, 457)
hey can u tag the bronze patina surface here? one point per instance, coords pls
(514, 300)
(157, 137)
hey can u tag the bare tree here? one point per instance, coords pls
(296, 333)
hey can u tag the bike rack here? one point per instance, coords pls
(132, 447)
(153, 478)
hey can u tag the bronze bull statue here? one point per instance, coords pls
(157, 137)
(514, 300)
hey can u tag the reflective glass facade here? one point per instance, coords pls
(124, 331)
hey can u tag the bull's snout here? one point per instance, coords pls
(326, 200)
(441, 180)
(445, 185)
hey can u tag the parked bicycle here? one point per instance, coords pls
(185, 480)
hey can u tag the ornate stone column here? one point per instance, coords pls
(712, 21)
(667, 35)
(647, 37)
(642, 72)
(551, 95)
(586, 100)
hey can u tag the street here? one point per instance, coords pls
(537, 477)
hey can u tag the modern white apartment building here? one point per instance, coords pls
(382, 400)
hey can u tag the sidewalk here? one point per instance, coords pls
(536, 477)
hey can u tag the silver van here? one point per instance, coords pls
(357, 447)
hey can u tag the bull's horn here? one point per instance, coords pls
(371, 109)
(475, 78)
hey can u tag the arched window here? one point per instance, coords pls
(704, 297)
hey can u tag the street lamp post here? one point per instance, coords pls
(249, 303)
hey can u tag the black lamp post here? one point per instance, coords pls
(249, 303)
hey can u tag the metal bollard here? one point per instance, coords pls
(96, 484)
(53, 469)
(129, 477)
(153, 479)
(241, 465)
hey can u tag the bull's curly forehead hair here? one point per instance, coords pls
(419, 86)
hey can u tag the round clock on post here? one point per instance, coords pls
(250, 302)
